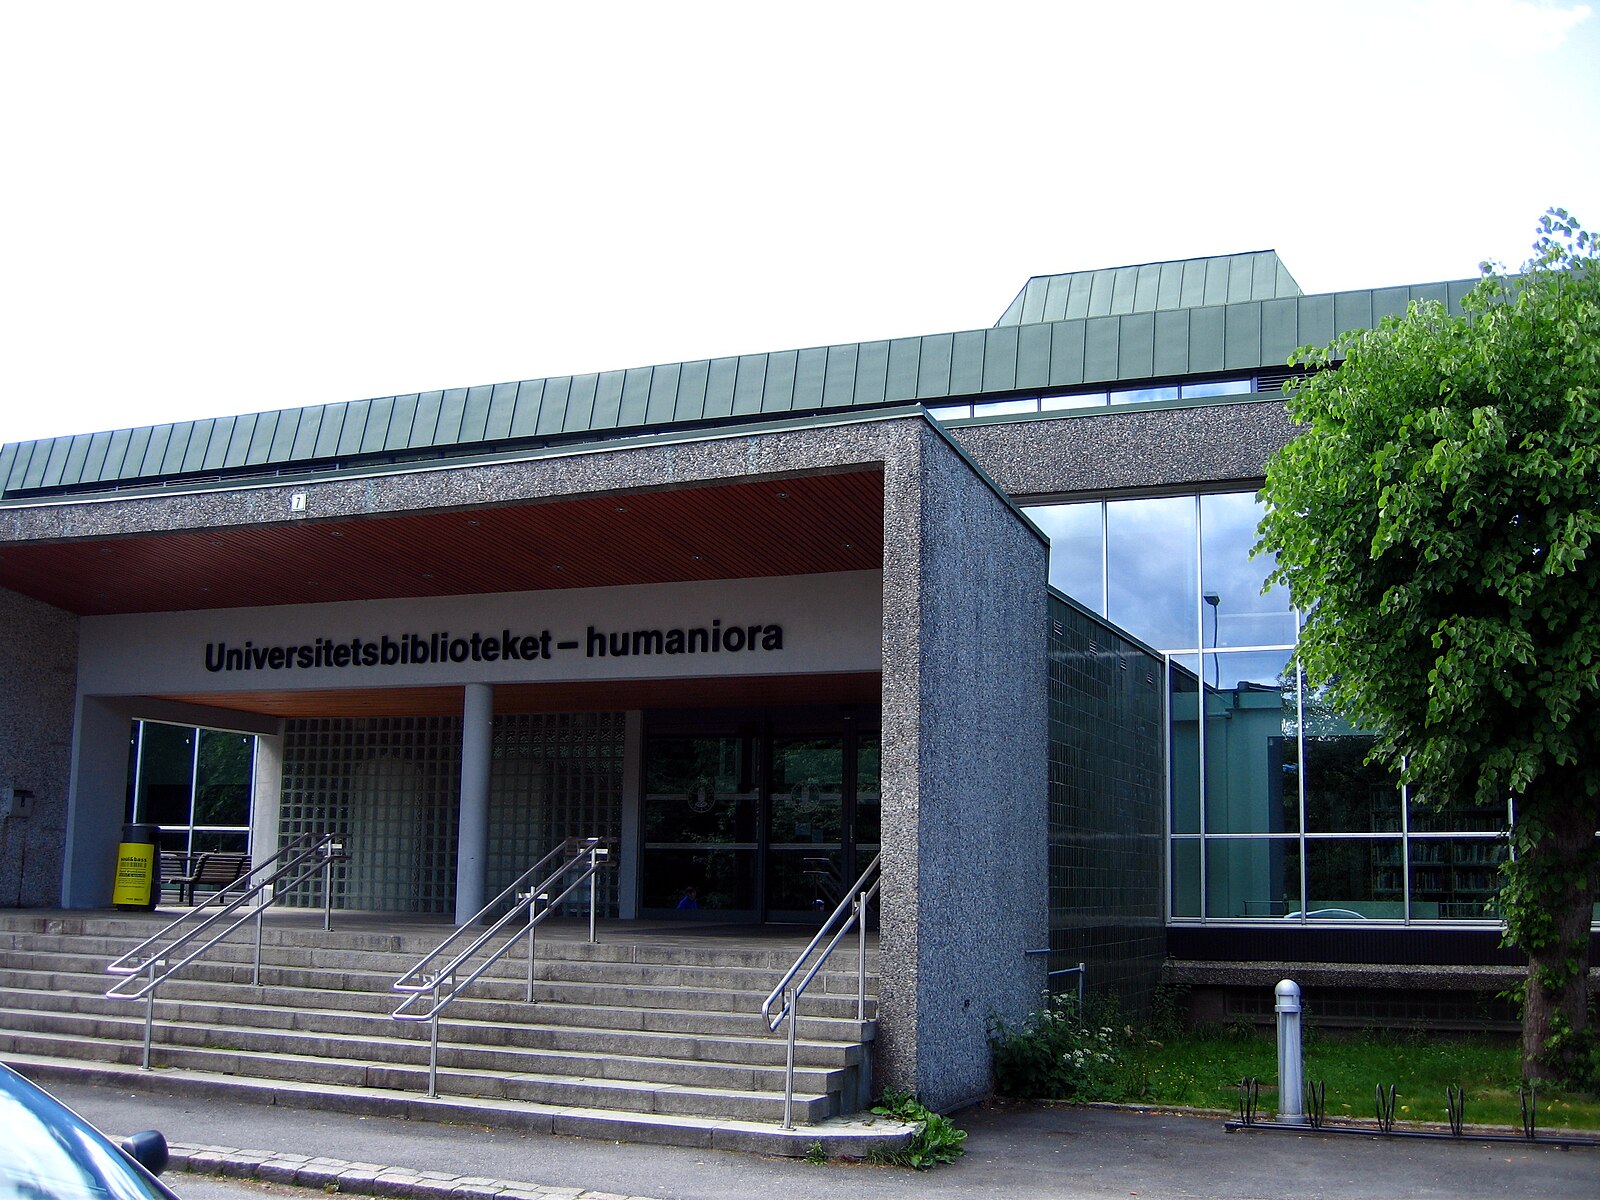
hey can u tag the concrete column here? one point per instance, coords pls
(266, 797)
(472, 844)
(626, 855)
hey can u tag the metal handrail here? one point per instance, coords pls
(788, 992)
(1081, 971)
(441, 986)
(155, 960)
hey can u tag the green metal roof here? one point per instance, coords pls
(1152, 287)
(1081, 352)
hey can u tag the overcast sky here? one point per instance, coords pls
(223, 207)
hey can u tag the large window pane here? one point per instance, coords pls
(222, 782)
(1455, 878)
(1152, 585)
(1144, 395)
(720, 883)
(1186, 877)
(807, 791)
(232, 842)
(699, 790)
(166, 774)
(1459, 817)
(1344, 793)
(1079, 400)
(1252, 877)
(1077, 563)
(1236, 613)
(869, 799)
(1218, 387)
(1184, 763)
(1354, 879)
(1250, 751)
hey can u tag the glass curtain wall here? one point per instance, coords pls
(194, 783)
(1274, 813)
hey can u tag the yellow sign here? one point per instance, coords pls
(136, 873)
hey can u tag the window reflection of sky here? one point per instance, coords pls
(1152, 586)
(1076, 565)
(1142, 574)
(1242, 616)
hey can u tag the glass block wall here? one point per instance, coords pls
(1106, 797)
(554, 776)
(392, 785)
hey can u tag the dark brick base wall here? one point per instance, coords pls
(1106, 831)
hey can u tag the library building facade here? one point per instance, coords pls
(983, 602)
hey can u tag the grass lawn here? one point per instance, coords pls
(1202, 1069)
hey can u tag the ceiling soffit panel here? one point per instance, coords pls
(800, 525)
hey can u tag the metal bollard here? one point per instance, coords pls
(1291, 1110)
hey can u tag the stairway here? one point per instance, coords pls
(644, 1036)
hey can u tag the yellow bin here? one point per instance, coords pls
(138, 884)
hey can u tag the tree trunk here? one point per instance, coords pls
(1555, 1041)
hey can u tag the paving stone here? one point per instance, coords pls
(314, 1174)
(277, 1171)
(240, 1164)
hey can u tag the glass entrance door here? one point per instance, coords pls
(805, 828)
(702, 827)
(768, 825)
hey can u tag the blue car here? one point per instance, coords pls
(51, 1153)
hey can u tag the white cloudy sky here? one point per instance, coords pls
(223, 207)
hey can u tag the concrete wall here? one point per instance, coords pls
(38, 676)
(1130, 449)
(964, 732)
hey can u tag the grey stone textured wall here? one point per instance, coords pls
(963, 773)
(1130, 449)
(577, 472)
(38, 684)
(1106, 808)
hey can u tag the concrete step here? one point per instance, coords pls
(357, 971)
(669, 1030)
(634, 1095)
(688, 1013)
(399, 952)
(219, 981)
(504, 1048)
(837, 1137)
(32, 1007)
(398, 1044)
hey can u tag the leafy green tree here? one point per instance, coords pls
(1438, 517)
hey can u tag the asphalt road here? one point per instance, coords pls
(1013, 1151)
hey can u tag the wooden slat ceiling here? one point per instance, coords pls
(774, 527)
(609, 696)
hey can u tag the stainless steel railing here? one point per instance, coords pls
(438, 985)
(162, 955)
(783, 1003)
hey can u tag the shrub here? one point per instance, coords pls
(936, 1140)
(1060, 1053)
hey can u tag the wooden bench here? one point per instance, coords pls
(214, 869)
(174, 870)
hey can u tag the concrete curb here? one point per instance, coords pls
(368, 1179)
